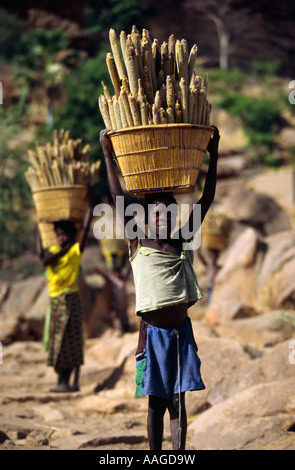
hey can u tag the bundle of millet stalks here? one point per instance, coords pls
(153, 83)
(62, 162)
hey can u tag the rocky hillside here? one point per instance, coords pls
(245, 338)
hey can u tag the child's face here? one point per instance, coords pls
(160, 221)
(62, 238)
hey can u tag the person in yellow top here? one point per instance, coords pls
(63, 265)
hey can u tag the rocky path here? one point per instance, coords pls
(249, 402)
(32, 417)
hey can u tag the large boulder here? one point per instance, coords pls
(275, 282)
(255, 412)
(257, 210)
(257, 275)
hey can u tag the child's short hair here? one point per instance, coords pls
(66, 226)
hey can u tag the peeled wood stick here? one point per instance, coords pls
(122, 113)
(184, 100)
(195, 110)
(104, 110)
(170, 92)
(156, 56)
(125, 84)
(147, 58)
(123, 39)
(170, 115)
(201, 100)
(117, 113)
(158, 101)
(112, 114)
(163, 116)
(193, 79)
(185, 48)
(70, 148)
(155, 115)
(146, 36)
(141, 94)
(124, 98)
(163, 96)
(134, 110)
(113, 73)
(56, 173)
(117, 54)
(33, 159)
(191, 61)
(106, 91)
(191, 103)
(55, 142)
(131, 66)
(135, 36)
(165, 61)
(181, 61)
(148, 86)
(204, 112)
(143, 113)
(178, 113)
(171, 53)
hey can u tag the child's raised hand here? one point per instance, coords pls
(105, 142)
(212, 147)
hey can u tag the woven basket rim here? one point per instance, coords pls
(125, 130)
(54, 188)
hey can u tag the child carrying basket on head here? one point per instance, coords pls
(166, 286)
(63, 264)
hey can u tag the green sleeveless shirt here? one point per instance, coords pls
(163, 279)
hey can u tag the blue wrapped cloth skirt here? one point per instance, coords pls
(169, 363)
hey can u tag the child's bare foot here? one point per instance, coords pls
(75, 388)
(61, 388)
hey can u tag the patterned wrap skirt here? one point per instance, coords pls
(65, 348)
(167, 362)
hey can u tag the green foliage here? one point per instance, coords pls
(263, 69)
(101, 15)
(259, 117)
(16, 231)
(81, 114)
(11, 30)
(222, 80)
(39, 46)
(257, 114)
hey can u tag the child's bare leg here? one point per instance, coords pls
(178, 427)
(63, 380)
(155, 421)
(75, 386)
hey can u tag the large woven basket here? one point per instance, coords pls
(61, 203)
(160, 158)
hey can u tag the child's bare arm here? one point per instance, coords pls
(113, 180)
(209, 188)
(87, 221)
(210, 183)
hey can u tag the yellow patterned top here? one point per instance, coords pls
(64, 274)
